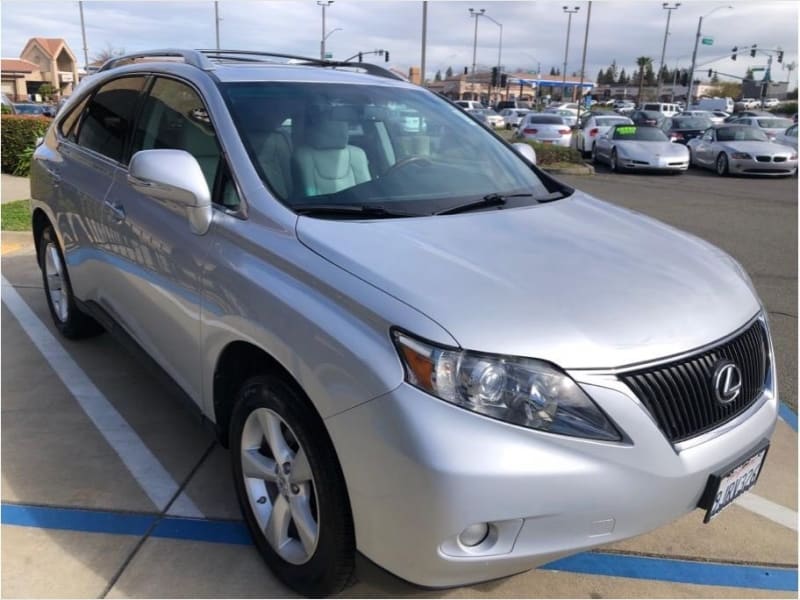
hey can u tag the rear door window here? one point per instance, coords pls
(106, 123)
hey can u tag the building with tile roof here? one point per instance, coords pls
(42, 60)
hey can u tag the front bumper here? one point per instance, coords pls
(658, 164)
(754, 167)
(420, 470)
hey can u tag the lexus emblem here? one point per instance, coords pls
(727, 382)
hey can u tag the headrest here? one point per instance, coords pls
(327, 135)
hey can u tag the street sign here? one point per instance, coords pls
(708, 41)
(754, 69)
(328, 55)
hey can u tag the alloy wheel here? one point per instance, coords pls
(56, 288)
(280, 486)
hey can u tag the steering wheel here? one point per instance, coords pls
(410, 160)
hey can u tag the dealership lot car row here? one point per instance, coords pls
(164, 210)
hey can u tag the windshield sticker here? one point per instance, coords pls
(627, 130)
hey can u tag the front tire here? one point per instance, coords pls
(70, 321)
(722, 164)
(290, 487)
(612, 162)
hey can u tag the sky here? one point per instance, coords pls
(534, 33)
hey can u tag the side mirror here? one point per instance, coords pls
(526, 151)
(173, 176)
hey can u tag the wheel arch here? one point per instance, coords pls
(39, 221)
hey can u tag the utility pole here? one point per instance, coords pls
(694, 54)
(424, 40)
(583, 58)
(475, 14)
(85, 48)
(216, 20)
(669, 10)
(570, 12)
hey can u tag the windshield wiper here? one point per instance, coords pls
(350, 210)
(487, 201)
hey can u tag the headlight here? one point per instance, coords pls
(741, 155)
(521, 391)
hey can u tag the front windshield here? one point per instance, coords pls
(639, 134)
(691, 123)
(741, 134)
(371, 146)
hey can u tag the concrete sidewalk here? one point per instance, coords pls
(14, 188)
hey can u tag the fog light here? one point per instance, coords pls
(474, 534)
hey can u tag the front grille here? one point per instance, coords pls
(763, 158)
(779, 159)
(679, 394)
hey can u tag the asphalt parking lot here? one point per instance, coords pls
(110, 488)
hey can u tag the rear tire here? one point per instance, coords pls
(70, 321)
(291, 488)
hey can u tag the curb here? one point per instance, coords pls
(573, 170)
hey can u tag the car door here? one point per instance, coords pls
(157, 286)
(89, 151)
(704, 148)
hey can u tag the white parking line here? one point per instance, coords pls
(154, 479)
(769, 509)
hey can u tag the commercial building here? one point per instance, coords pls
(42, 61)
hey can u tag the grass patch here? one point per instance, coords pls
(16, 216)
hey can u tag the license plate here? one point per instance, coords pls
(547, 141)
(723, 489)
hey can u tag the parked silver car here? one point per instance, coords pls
(634, 147)
(546, 128)
(788, 137)
(772, 126)
(416, 344)
(513, 116)
(731, 149)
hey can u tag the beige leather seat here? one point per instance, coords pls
(327, 164)
(275, 157)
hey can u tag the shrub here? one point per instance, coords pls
(5, 109)
(23, 167)
(548, 154)
(784, 108)
(18, 133)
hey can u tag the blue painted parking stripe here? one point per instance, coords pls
(678, 571)
(235, 532)
(788, 415)
(203, 530)
(76, 519)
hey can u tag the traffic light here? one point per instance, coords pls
(503, 80)
(386, 56)
(360, 57)
(495, 78)
(735, 49)
(466, 70)
(780, 55)
(710, 71)
(753, 50)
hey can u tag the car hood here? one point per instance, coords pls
(755, 147)
(649, 149)
(577, 282)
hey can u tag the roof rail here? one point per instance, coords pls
(190, 57)
(202, 59)
(253, 56)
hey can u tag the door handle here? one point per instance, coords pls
(117, 211)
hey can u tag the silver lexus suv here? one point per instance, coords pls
(417, 345)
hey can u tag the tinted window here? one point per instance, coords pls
(69, 125)
(741, 134)
(691, 123)
(108, 117)
(774, 123)
(174, 117)
(546, 119)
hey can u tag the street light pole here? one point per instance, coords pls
(424, 40)
(324, 4)
(500, 47)
(85, 48)
(216, 21)
(570, 12)
(583, 58)
(669, 10)
(694, 54)
(475, 14)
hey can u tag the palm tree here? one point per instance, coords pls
(643, 62)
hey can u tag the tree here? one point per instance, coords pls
(438, 76)
(649, 75)
(623, 78)
(664, 75)
(449, 73)
(612, 72)
(107, 53)
(47, 91)
(553, 71)
(749, 74)
(643, 62)
(714, 78)
(601, 76)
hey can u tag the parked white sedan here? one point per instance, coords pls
(594, 127)
(788, 137)
(513, 116)
(546, 128)
(633, 147)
